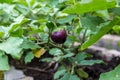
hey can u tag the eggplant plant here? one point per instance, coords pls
(31, 28)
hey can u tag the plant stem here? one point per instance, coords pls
(40, 43)
(72, 69)
(35, 69)
(84, 34)
(83, 38)
(56, 66)
(48, 42)
(54, 21)
(80, 24)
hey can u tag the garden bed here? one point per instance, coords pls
(45, 71)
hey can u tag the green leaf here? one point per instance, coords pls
(3, 61)
(17, 33)
(82, 73)
(116, 29)
(50, 25)
(27, 44)
(66, 19)
(70, 40)
(29, 57)
(55, 51)
(65, 77)
(4, 30)
(74, 77)
(91, 22)
(80, 56)
(30, 2)
(105, 28)
(44, 36)
(53, 3)
(104, 14)
(47, 60)
(18, 21)
(68, 55)
(94, 5)
(12, 46)
(58, 58)
(69, 76)
(90, 62)
(111, 75)
(59, 73)
(22, 8)
(6, 1)
(1, 34)
(115, 11)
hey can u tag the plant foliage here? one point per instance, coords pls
(26, 27)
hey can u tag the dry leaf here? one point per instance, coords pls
(1, 75)
(38, 53)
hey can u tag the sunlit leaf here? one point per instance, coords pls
(18, 21)
(12, 46)
(91, 6)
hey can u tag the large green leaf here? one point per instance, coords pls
(3, 61)
(111, 75)
(91, 22)
(28, 44)
(12, 46)
(93, 5)
(105, 28)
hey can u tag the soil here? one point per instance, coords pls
(42, 71)
(37, 70)
(40, 75)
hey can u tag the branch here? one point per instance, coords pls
(33, 68)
